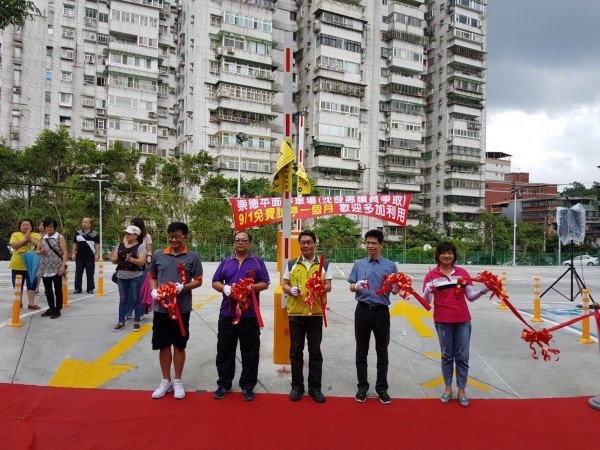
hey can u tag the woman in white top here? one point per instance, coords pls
(52, 249)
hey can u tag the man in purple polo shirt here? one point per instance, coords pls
(242, 264)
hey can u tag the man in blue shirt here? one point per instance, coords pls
(372, 315)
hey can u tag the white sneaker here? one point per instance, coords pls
(179, 391)
(164, 387)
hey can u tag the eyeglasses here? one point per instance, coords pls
(242, 241)
(175, 238)
(306, 243)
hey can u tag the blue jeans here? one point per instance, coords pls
(454, 342)
(129, 292)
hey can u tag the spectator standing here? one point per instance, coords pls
(242, 264)
(166, 333)
(305, 323)
(85, 252)
(23, 241)
(372, 315)
(130, 258)
(53, 264)
(146, 239)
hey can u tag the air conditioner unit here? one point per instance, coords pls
(89, 21)
(100, 132)
(16, 89)
(362, 166)
(14, 136)
(448, 169)
(219, 52)
(171, 132)
(438, 166)
(230, 50)
(211, 144)
(317, 26)
(100, 111)
(152, 115)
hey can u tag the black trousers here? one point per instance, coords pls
(376, 321)
(89, 266)
(54, 294)
(247, 332)
(311, 329)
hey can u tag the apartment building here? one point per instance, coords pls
(106, 70)
(392, 91)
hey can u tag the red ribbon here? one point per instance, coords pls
(531, 336)
(404, 283)
(239, 293)
(167, 298)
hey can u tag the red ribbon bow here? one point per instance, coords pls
(167, 298)
(404, 283)
(541, 338)
(489, 280)
(239, 294)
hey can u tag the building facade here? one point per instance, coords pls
(392, 91)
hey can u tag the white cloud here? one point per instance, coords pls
(558, 149)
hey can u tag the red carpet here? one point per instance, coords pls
(34, 417)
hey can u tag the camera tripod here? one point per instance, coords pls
(575, 278)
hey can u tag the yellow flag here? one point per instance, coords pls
(302, 181)
(282, 178)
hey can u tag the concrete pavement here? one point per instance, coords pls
(501, 362)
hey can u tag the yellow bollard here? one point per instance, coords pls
(585, 323)
(100, 292)
(537, 303)
(503, 291)
(16, 311)
(65, 291)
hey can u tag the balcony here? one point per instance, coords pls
(349, 8)
(334, 163)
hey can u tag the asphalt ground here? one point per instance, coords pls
(80, 349)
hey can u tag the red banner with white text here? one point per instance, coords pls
(252, 212)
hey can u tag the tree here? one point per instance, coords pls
(337, 232)
(530, 236)
(496, 231)
(578, 189)
(16, 12)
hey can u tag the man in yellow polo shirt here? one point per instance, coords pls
(305, 324)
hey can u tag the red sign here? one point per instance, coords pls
(252, 212)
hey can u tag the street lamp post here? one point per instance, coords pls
(514, 258)
(99, 181)
(240, 139)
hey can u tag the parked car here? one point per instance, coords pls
(582, 260)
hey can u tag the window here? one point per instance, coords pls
(47, 96)
(67, 53)
(68, 10)
(89, 58)
(101, 81)
(65, 99)
(68, 33)
(103, 38)
(103, 17)
(88, 124)
(351, 153)
(89, 35)
(89, 80)
(49, 51)
(46, 119)
(50, 29)
(66, 76)
(89, 102)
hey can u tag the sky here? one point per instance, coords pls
(543, 88)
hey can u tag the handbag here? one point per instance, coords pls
(114, 276)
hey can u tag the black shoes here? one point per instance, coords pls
(55, 315)
(47, 313)
(317, 396)
(77, 291)
(296, 394)
(90, 291)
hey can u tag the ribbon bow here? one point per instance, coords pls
(404, 283)
(167, 298)
(239, 294)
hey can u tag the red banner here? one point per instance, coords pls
(252, 212)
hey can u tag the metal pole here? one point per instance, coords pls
(100, 208)
(239, 170)
(514, 258)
